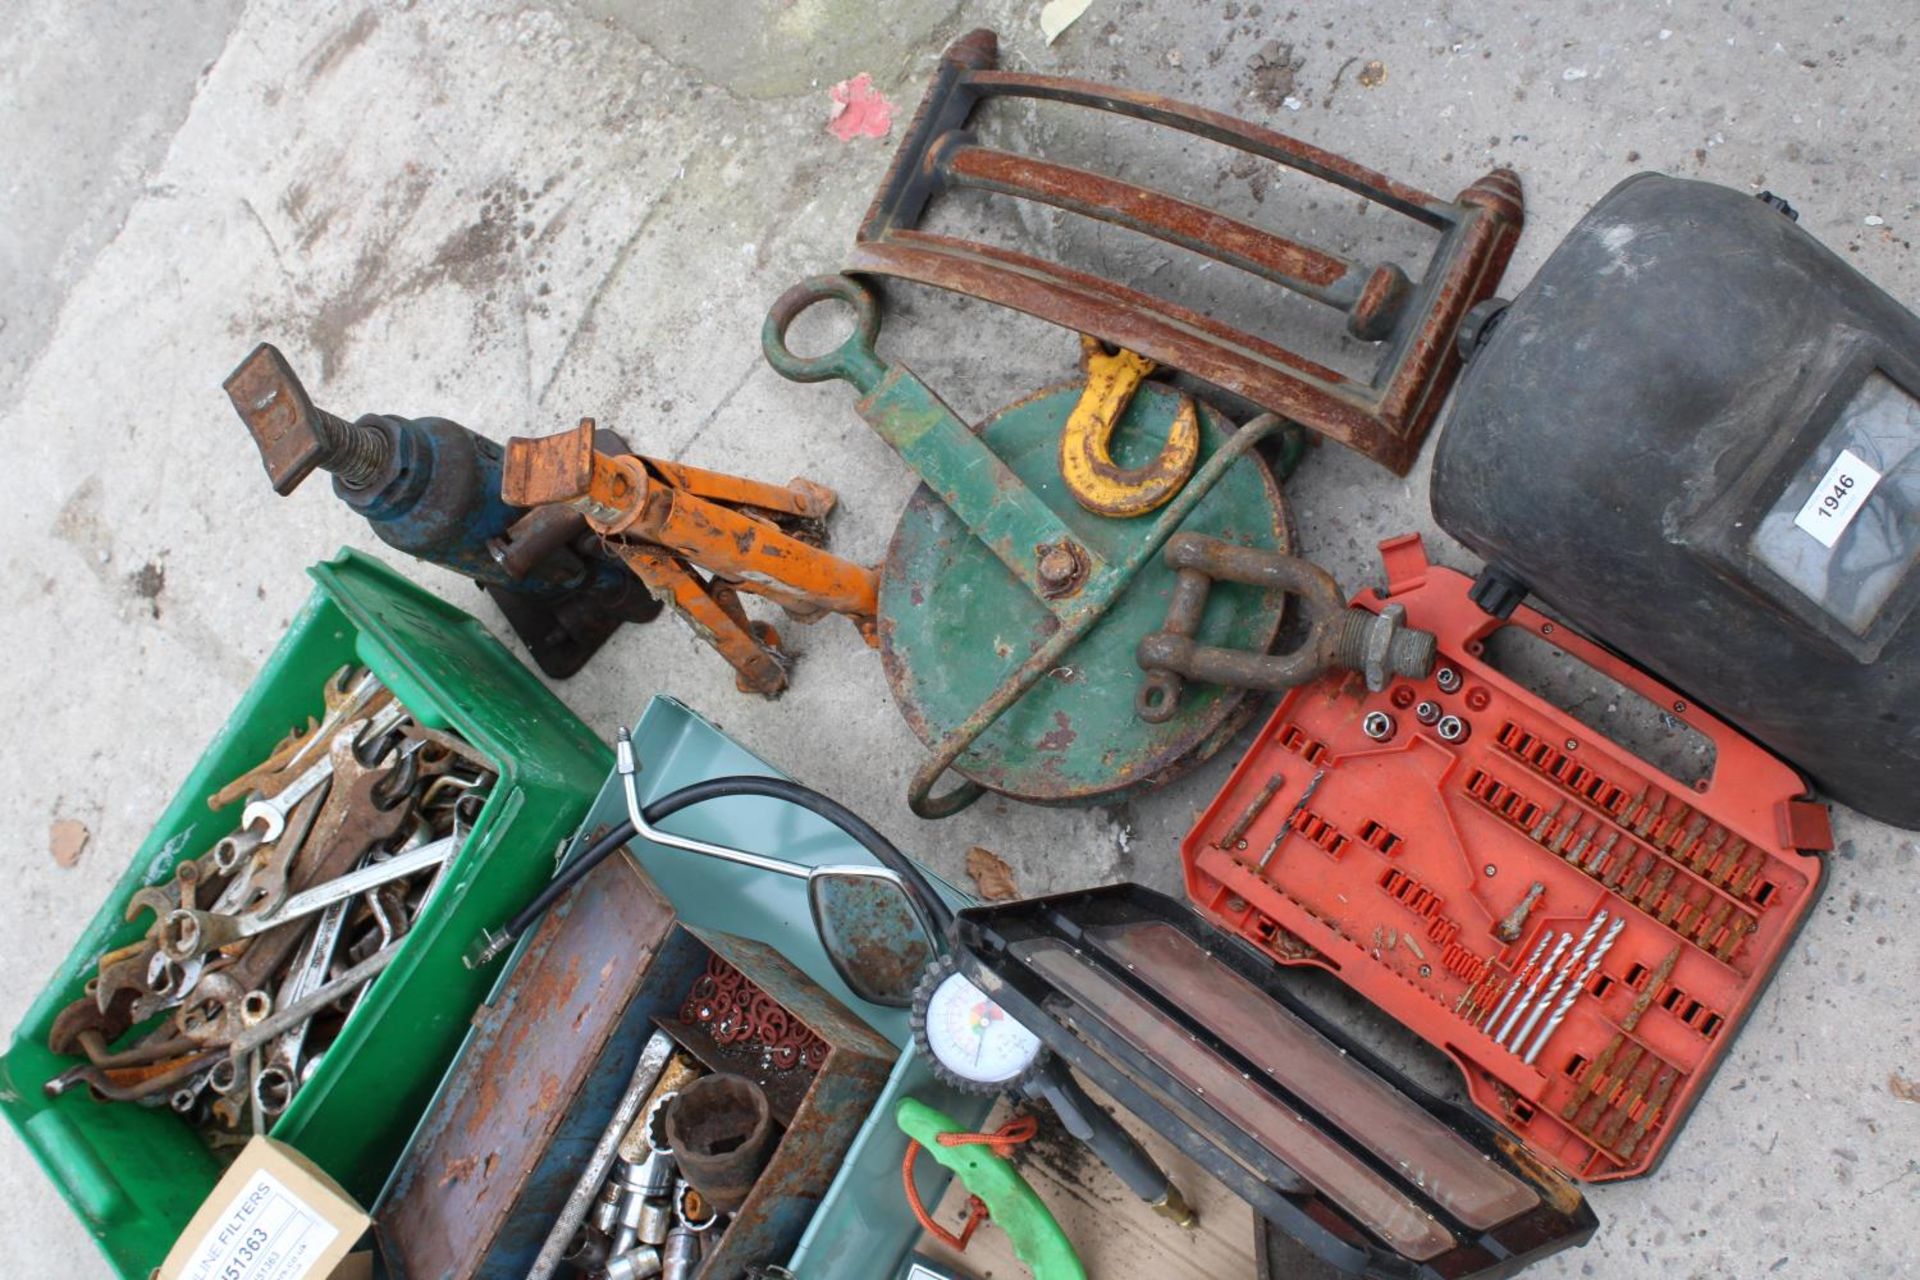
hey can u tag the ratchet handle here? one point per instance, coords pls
(1037, 1237)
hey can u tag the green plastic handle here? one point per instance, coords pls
(1037, 1238)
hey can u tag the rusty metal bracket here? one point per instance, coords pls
(1380, 645)
(1384, 416)
(697, 539)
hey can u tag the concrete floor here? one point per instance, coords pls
(516, 214)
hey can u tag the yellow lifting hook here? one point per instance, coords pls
(1086, 463)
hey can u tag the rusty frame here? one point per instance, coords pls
(1385, 416)
(698, 539)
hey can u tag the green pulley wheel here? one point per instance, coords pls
(1009, 613)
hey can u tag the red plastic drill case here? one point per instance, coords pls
(1400, 831)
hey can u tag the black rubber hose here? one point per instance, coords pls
(741, 785)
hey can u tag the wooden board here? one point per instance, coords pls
(1118, 1237)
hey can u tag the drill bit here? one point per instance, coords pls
(1293, 816)
(1609, 1130)
(1654, 813)
(1597, 1103)
(1620, 865)
(1710, 923)
(1515, 921)
(1236, 834)
(1673, 904)
(1580, 846)
(1514, 985)
(1468, 994)
(1728, 862)
(1655, 1100)
(1539, 980)
(1590, 1079)
(1742, 925)
(1688, 835)
(1672, 825)
(1573, 993)
(1644, 1000)
(1703, 853)
(1633, 882)
(1559, 980)
(1598, 858)
(1690, 912)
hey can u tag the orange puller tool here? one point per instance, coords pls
(697, 539)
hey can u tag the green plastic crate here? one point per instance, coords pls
(135, 1175)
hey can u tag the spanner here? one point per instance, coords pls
(194, 933)
(269, 815)
(347, 698)
(350, 823)
(282, 1067)
(168, 982)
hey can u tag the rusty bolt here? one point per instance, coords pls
(1062, 568)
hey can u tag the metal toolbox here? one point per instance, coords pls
(488, 1172)
(503, 1146)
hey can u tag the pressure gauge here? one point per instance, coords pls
(972, 1042)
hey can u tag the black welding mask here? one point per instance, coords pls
(1696, 435)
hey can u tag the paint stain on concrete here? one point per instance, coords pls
(67, 840)
(147, 582)
(858, 110)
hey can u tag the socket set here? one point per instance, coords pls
(1578, 930)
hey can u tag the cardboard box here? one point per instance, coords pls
(273, 1216)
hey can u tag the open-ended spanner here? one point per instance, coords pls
(347, 698)
(350, 823)
(168, 982)
(193, 933)
(260, 880)
(268, 815)
(308, 975)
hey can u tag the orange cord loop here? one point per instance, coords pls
(1010, 1135)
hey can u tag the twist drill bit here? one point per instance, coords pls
(1539, 980)
(1519, 975)
(1566, 1002)
(1559, 980)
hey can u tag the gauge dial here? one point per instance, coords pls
(978, 1043)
